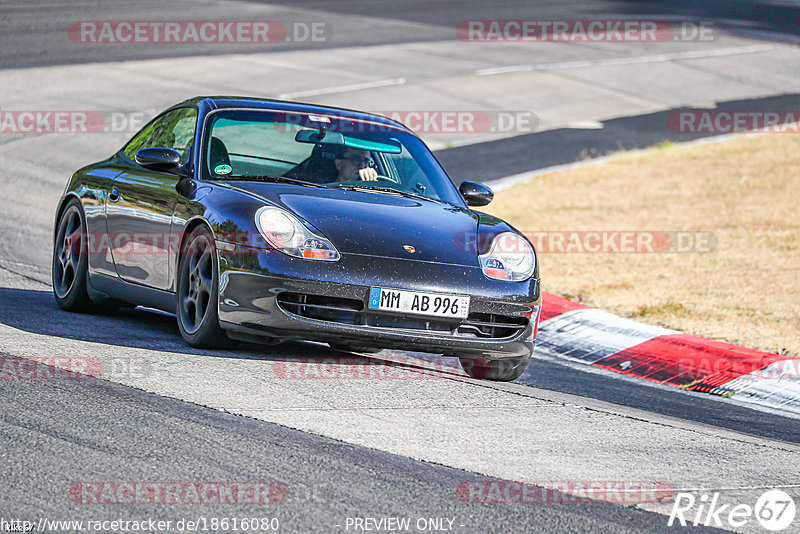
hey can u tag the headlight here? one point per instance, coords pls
(510, 258)
(286, 233)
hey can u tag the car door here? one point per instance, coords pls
(141, 202)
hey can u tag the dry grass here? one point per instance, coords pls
(746, 191)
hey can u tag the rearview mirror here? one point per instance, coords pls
(159, 159)
(317, 136)
(389, 146)
(475, 194)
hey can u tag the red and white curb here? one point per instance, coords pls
(576, 332)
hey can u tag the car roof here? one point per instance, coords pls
(222, 102)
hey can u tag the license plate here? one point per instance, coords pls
(434, 304)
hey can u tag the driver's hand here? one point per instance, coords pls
(368, 174)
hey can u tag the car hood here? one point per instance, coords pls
(379, 224)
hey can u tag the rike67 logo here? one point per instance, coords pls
(774, 510)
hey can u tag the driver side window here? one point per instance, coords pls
(172, 130)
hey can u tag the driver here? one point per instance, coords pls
(353, 164)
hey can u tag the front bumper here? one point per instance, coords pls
(255, 283)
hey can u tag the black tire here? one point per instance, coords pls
(198, 293)
(500, 369)
(71, 260)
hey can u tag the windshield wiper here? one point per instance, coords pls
(382, 189)
(273, 179)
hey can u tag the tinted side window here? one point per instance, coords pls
(172, 130)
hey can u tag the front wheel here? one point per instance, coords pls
(500, 369)
(198, 318)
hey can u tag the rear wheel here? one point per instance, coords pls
(70, 260)
(500, 369)
(198, 273)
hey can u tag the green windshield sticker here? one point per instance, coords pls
(223, 169)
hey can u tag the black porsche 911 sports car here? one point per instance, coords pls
(268, 221)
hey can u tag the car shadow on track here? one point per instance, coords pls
(37, 313)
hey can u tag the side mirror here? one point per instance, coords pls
(159, 159)
(185, 187)
(475, 194)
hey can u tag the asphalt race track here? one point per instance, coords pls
(349, 448)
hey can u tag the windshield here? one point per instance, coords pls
(321, 150)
